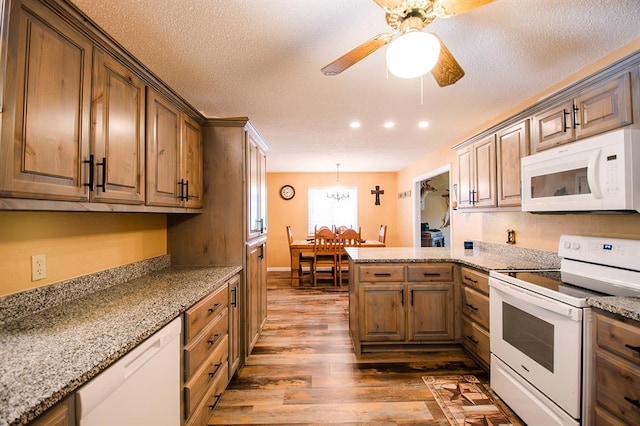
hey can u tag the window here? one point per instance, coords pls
(324, 211)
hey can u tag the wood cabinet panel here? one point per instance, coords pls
(465, 177)
(512, 144)
(45, 130)
(205, 409)
(382, 313)
(256, 188)
(118, 130)
(477, 341)
(430, 313)
(553, 127)
(191, 162)
(62, 414)
(234, 325)
(484, 153)
(437, 273)
(620, 337)
(201, 381)
(256, 292)
(203, 312)
(381, 273)
(200, 348)
(476, 306)
(475, 279)
(618, 386)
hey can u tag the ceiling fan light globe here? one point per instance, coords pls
(413, 54)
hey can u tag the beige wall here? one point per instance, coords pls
(532, 230)
(75, 244)
(294, 212)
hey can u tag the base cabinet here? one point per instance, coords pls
(256, 291)
(401, 304)
(234, 325)
(616, 356)
(474, 307)
(62, 414)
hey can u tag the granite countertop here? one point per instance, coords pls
(49, 354)
(628, 307)
(481, 259)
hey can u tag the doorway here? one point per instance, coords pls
(431, 201)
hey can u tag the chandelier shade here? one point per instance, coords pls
(413, 54)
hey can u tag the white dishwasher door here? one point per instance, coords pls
(142, 388)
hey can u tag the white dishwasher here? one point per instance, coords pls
(142, 388)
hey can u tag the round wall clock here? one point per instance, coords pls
(287, 192)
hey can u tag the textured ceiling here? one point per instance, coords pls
(262, 59)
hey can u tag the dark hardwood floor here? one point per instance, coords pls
(303, 369)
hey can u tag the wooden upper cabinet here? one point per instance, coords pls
(597, 109)
(191, 162)
(465, 177)
(512, 144)
(118, 130)
(484, 152)
(163, 156)
(46, 125)
(256, 185)
(605, 107)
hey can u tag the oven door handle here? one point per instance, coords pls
(539, 301)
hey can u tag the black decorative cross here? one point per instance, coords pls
(377, 191)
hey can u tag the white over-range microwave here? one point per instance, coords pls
(599, 174)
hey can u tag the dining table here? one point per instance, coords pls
(298, 247)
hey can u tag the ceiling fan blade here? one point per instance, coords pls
(357, 54)
(448, 8)
(388, 4)
(447, 70)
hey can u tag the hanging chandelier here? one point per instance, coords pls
(338, 192)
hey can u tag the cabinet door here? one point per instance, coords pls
(382, 312)
(512, 144)
(431, 312)
(484, 162)
(45, 124)
(118, 131)
(256, 292)
(606, 106)
(163, 156)
(553, 127)
(256, 178)
(191, 163)
(465, 177)
(62, 414)
(234, 325)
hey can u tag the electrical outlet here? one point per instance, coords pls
(38, 267)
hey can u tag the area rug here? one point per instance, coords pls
(464, 400)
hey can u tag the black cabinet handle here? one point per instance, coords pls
(575, 116)
(186, 198)
(234, 301)
(470, 306)
(103, 185)
(213, 373)
(566, 114)
(90, 163)
(214, 340)
(470, 279)
(472, 339)
(402, 297)
(261, 255)
(633, 348)
(412, 296)
(213, 308)
(431, 274)
(213, 406)
(381, 274)
(635, 402)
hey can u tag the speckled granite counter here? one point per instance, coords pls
(628, 307)
(49, 354)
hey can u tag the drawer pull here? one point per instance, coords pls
(213, 308)
(470, 306)
(633, 348)
(473, 340)
(431, 274)
(380, 274)
(215, 339)
(213, 373)
(470, 279)
(635, 402)
(213, 406)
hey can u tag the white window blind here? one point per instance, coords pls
(324, 211)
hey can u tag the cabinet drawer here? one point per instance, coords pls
(476, 340)
(618, 386)
(476, 306)
(618, 336)
(382, 273)
(476, 279)
(202, 379)
(197, 316)
(200, 348)
(430, 273)
(205, 408)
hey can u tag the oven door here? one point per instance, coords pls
(540, 339)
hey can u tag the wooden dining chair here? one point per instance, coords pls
(347, 238)
(325, 252)
(304, 259)
(382, 234)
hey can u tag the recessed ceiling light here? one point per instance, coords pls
(355, 125)
(389, 125)
(423, 124)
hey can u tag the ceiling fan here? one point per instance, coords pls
(410, 17)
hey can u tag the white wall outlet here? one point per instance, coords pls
(38, 267)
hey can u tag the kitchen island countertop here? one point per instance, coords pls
(48, 355)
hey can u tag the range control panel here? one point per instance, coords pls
(617, 252)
